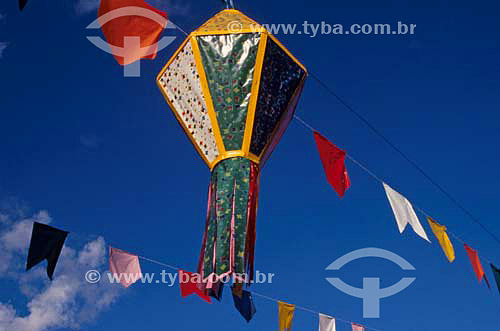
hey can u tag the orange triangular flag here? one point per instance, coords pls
(132, 29)
(285, 311)
(441, 235)
(476, 264)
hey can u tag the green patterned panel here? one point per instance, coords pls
(240, 213)
(229, 61)
(230, 182)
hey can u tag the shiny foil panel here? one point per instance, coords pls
(283, 124)
(229, 61)
(281, 77)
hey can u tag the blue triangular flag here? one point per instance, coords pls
(244, 304)
(216, 291)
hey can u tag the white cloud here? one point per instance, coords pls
(3, 46)
(43, 217)
(5, 261)
(11, 208)
(51, 308)
(7, 313)
(17, 238)
(66, 302)
(4, 218)
(92, 254)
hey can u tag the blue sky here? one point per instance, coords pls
(102, 156)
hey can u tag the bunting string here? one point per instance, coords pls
(178, 27)
(159, 263)
(369, 172)
(306, 309)
(311, 311)
(42, 232)
(399, 151)
(265, 297)
(378, 179)
(404, 156)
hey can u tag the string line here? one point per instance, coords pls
(311, 311)
(159, 263)
(377, 178)
(392, 145)
(399, 151)
(372, 174)
(402, 154)
(253, 292)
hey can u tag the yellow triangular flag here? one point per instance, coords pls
(286, 311)
(441, 235)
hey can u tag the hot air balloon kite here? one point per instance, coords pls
(233, 88)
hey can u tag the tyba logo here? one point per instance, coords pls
(131, 44)
(371, 293)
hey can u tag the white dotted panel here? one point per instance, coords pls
(181, 83)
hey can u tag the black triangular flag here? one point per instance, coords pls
(244, 304)
(496, 273)
(487, 282)
(22, 3)
(46, 244)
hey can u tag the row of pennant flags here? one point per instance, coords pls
(333, 159)
(47, 243)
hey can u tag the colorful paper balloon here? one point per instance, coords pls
(233, 88)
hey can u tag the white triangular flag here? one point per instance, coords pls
(404, 213)
(326, 323)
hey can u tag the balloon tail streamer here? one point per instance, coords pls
(230, 231)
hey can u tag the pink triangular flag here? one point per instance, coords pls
(125, 267)
(357, 327)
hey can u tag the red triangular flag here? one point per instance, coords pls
(132, 29)
(476, 264)
(191, 283)
(333, 159)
